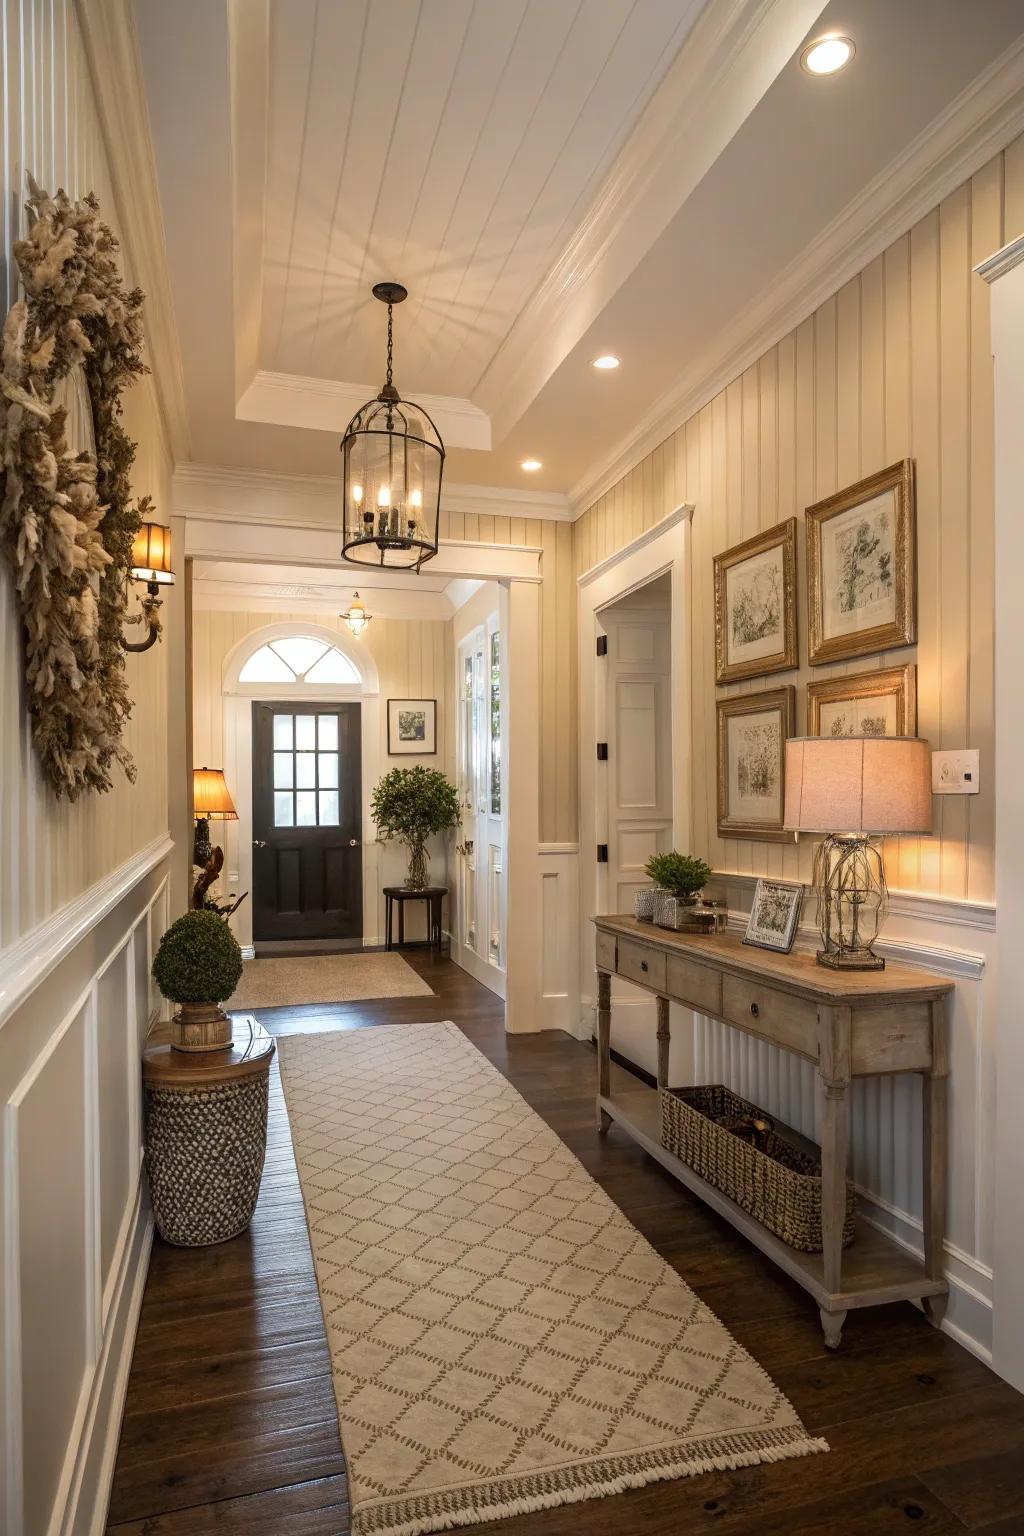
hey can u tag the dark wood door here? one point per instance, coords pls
(307, 856)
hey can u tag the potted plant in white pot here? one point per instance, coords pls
(198, 965)
(410, 805)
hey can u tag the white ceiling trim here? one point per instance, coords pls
(225, 596)
(115, 66)
(733, 55)
(980, 122)
(328, 405)
(314, 501)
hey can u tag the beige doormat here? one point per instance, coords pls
(502, 1338)
(286, 983)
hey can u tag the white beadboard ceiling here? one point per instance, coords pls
(549, 178)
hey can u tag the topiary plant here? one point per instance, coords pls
(411, 804)
(199, 960)
(678, 873)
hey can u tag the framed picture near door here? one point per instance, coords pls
(755, 605)
(412, 727)
(866, 704)
(861, 568)
(753, 729)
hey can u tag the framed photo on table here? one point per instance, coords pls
(412, 727)
(862, 568)
(866, 704)
(755, 605)
(774, 915)
(753, 729)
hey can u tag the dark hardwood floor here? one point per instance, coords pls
(230, 1423)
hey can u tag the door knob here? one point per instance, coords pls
(259, 842)
(353, 842)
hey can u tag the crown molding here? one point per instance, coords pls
(976, 125)
(115, 67)
(680, 514)
(222, 595)
(328, 405)
(1003, 261)
(252, 495)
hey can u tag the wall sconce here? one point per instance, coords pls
(151, 563)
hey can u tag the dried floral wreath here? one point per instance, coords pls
(68, 522)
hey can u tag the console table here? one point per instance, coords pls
(849, 1024)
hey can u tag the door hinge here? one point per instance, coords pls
(602, 751)
(602, 645)
(602, 853)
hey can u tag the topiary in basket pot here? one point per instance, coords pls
(412, 804)
(198, 966)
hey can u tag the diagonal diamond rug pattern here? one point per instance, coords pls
(502, 1338)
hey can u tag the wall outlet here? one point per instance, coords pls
(956, 773)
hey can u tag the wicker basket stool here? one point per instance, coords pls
(206, 1136)
(779, 1184)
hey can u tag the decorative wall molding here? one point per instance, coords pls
(932, 957)
(976, 125)
(112, 50)
(915, 904)
(28, 962)
(314, 501)
(681, 514)
(1003, 261)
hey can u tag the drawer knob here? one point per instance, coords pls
(755, 1010)
(643, 965)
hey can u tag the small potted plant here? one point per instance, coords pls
(412, 804)
(198, 966)
(678, 881)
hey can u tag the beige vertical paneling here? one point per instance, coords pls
(1013, 205)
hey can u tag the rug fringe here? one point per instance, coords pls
(485, 1503)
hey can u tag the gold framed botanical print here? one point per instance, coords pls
(753, 729)
(866, 704)
(755, 605)
(861, 568)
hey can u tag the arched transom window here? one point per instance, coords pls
(298, 659)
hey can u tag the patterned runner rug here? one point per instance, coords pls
(502, 1338)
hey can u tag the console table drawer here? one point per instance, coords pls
(640, 964)
(696, 985)
(786, 1020)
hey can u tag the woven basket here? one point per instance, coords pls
(780, 1186)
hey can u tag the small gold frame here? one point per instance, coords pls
(783, 536)
(902, 629)
(784, 700)
(900, 682)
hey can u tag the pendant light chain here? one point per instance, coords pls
(390, 346)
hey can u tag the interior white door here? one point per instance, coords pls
(638, 784)
(478, 944)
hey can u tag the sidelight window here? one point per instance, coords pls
(307, 792)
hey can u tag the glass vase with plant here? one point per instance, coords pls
(412, 804)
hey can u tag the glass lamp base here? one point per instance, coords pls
(852, 901)
(851, 960)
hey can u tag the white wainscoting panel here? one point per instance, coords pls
(558, 922)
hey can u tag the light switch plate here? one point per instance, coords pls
(956, 773)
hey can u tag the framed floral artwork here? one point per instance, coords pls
(753, 729)
(866, 704)
(861, 568)
(412, 727)
(755, 605)
(774, 915)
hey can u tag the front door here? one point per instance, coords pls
(307, 817)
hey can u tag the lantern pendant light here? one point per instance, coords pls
(392, 459)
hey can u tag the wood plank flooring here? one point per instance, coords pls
(230, 1423)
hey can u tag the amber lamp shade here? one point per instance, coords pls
(151, 555)
(211, 797)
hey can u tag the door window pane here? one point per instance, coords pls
(327, 732)
(305, 770)
(282, 733)
(299, 653)
(305, 808)
(328, 770)
(283, 813)
(495, 723)
(283, 770)
(328, 807)
(305, 733)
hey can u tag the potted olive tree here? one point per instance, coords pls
(410, 805)
(198, 966)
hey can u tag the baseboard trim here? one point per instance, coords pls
(85, 1510)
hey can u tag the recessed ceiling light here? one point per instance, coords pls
(607, 360)
(530, 464)
(826, 55)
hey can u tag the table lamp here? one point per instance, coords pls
(211, 801)
(853, 788)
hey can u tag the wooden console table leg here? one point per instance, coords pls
(935, 1118)
(604, 1045)
(834, 1067)
(664, 1040)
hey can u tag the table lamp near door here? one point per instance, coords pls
(854, 788)
(211, 801)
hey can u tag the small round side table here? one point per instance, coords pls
(206, 1135)
(433, 895)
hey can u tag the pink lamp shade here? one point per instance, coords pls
(858, 784)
